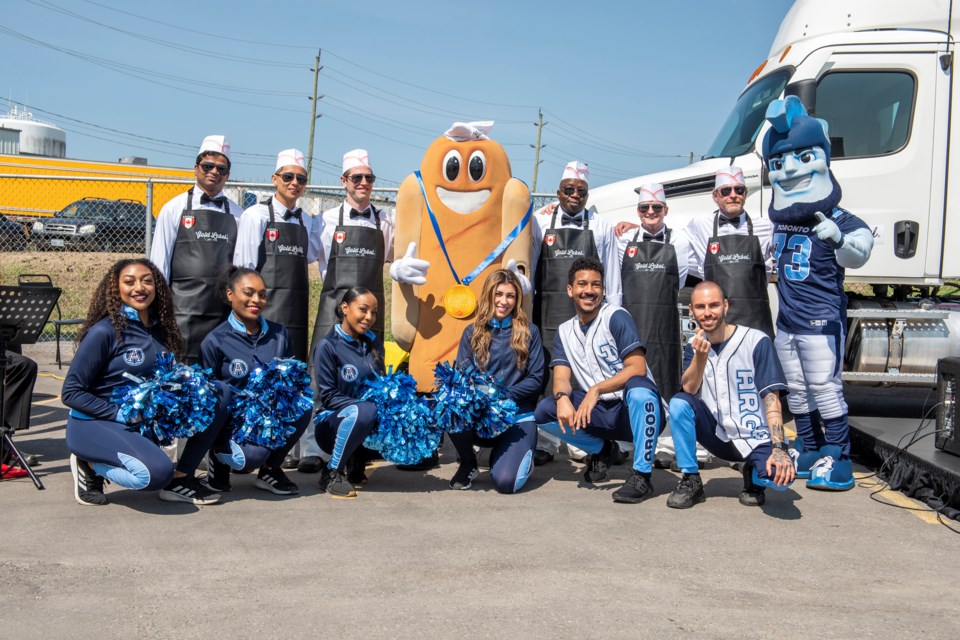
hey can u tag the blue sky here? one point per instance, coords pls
(629, 88)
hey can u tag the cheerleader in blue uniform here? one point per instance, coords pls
(230, 351)
(130, 322)
(503, 343)
(344, 360)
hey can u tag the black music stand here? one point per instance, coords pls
(23, 313)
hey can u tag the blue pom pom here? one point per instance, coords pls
(177, 401)
(405, 433)
(470, 400)
(274, 398)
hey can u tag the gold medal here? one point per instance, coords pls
(459, 301)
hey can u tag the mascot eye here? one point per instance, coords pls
(451, 165)
(477, 166)
(776, 165)
(806, 157)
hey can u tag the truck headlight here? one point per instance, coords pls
(87, 229)
(38, 227)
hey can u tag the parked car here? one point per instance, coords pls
(93, 224)
(13, 237)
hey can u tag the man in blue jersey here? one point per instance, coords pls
(616, 399)
(729, 403)
(814, 241)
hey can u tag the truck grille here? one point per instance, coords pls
(59, 227)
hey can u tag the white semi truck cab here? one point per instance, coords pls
(880, 72)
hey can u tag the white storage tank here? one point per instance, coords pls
(36, 138)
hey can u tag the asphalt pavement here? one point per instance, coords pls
(411, 558)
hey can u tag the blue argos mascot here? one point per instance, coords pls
(814, 241)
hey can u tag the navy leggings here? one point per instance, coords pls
(512, 457)
(342, 432)
(119, 453)
(247, 456)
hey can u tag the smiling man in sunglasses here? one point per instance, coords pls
(653, 266)
(735, 250)
(194, 240)
(279, 240)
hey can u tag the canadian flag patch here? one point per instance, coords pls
(714, 247)
(340, 236)
(550, 239)
(188, 222)
(273, 234)
(631, 251)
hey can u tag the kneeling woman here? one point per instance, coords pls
(504, 344)
(230, 351)
(344, 360)
(130, 322)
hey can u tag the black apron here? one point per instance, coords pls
(282, 262)
(651, 288)
(204, 246)
(735, 262)
(356, 258)
(558, 251)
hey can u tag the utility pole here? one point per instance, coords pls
(536, 159)
(690, 160)
(313, 115)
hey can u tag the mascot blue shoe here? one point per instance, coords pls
(802, 459)
(830, 473)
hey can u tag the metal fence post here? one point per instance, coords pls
(148, 232)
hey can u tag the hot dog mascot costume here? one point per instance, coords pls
(468, 217)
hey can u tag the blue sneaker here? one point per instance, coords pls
(803, 460)
(767, 482)
(830, 473)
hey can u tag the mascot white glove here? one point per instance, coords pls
(408, 269)
(525, 285)
(828, 230)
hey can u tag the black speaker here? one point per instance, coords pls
(948, 410)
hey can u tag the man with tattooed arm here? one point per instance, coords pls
(730, 404)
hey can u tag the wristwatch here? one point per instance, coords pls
(560, 394)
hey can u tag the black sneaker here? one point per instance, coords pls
(87, 485)
(325, 477)
(688, 492)
(636, 489)
(355, 471)
(598, 464)
(431, 461)
(276, 481)
(218, 475)
(339, 486)
(310, 464)
(541, 457)
(188, 489)
(465, 475)
(752, 495)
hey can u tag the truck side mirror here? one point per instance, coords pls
(806, 90)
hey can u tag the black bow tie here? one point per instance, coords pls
(220, 201)
(735, 223)
(296, 213)
(365, 214)
(650, 236)
(577, 220)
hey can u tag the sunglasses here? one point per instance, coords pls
(657, 208)
(357, 177)
(568, 191)
(289, 176)
(725, 191)
(222, 169)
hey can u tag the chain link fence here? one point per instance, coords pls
(73, 229)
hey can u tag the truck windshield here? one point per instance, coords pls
(740, 130)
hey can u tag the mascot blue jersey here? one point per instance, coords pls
(810, 282)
